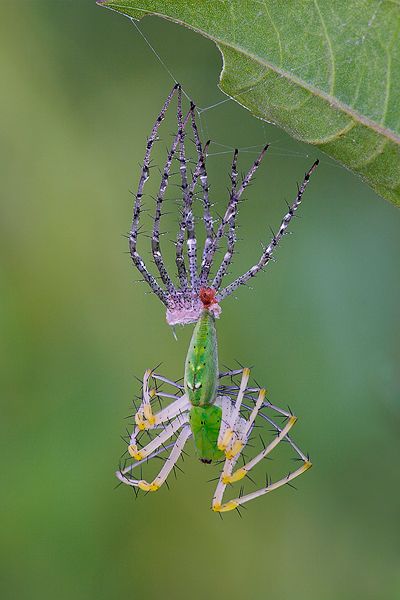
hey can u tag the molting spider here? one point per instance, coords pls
(219, 417)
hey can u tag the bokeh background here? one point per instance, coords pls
(80, 90)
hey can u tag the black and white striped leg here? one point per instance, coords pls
(267, 254)
(155, 242)
(201, 155)
(136, 258)
(180, 261)
(229, 214)
(231, 235)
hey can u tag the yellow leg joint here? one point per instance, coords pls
(148, 413)
(292, 420)
(139, 422)
(148, 487)
(135, 453)
(240, 473)
(236, 448)
(231, 505)
(225, 440)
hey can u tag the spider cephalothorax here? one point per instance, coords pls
(182, 301)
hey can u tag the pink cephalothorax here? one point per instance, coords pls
(186, 307)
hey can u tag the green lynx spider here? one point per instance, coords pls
(218, 412)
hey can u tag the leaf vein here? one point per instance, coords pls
(330, 49)
(276, 31)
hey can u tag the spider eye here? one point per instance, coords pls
(190, 386)
(197, 385)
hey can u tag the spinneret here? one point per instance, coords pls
(182, 299)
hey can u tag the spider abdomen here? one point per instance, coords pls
(205, 423)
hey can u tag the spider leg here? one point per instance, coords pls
(226, 405)
(167, 467)
(145, 418)
(180, 261)
(226, 434)
(136, 258)
(226, 261)
(168, 431)
(230, 373)
(186, 224)
(169, 381)
(229, 214)
(228, 476)
(267, 254)
(232, 504)
(155, 242)
(277, 428)
(188, 212)
(202, 153)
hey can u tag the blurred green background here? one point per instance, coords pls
(80, 90)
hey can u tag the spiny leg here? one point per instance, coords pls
(229, 214)
(160, 439)
(225, 435)
(232, 390)
(186, 224)
(189, 217)
(155, 243)
(124, 469)
(232, 504)
(227, 441)
(179, 404)
(226, 261)
(169, 381)
(166, 469)
(136, 258)
(229, 477)
(180, 261)
(230, 373)
(260, 403)
(267, 254)
(145, 418)
(277, 428)
(233, 438)
(202, 153)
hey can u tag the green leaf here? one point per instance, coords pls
(326, 71)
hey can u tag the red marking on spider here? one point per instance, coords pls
(207, 296)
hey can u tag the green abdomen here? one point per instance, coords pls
(205, 423)
(201, 367)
